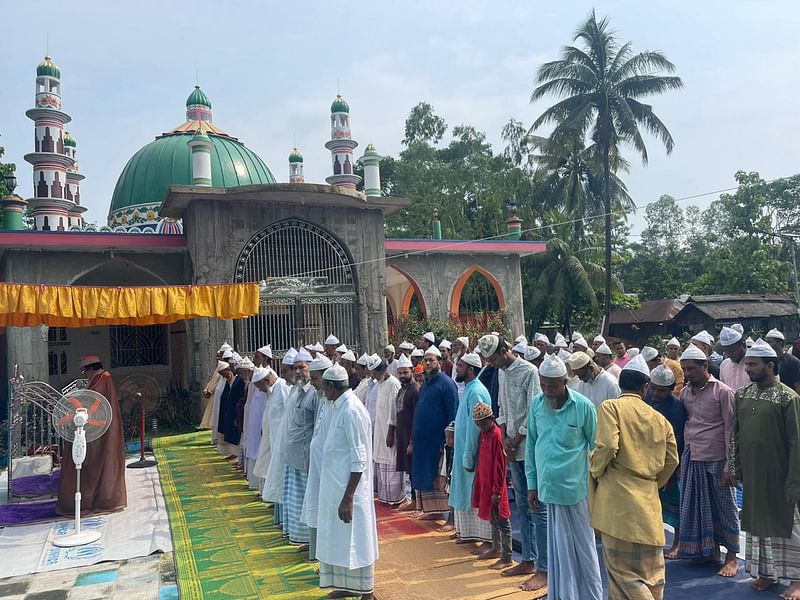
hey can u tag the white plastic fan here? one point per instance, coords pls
(80, 416)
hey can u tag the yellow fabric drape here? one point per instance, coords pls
(29, 305)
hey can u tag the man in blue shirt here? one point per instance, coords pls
(561, 430)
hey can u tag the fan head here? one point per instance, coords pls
(98, 412)
(137, 392)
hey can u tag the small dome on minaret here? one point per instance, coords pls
(48, 68)
(340, 105)
(198, 106)
(296, 167)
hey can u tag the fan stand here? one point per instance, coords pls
(142, 463)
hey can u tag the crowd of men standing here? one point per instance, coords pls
(596, 444)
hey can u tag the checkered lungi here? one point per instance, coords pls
(390, 484)
(432, 502)
(357, 581)
(294, 491)
(635, 571)
(277, 513)
(312, 544)
(709, 516)
(470, 527)
(774, 558)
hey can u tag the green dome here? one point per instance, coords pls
(198, 97)
(69, 140)
(168, 161)
(49, 68)
(340, 105)
(295, 156)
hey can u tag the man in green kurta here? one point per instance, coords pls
(765, 457)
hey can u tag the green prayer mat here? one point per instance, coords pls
(225, 543)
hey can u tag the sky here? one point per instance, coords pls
(271, 70)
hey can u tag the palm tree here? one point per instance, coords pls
(599, 86)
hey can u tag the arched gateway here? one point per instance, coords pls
(311, 287)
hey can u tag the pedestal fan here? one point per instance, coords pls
(139, 394)
(80, 417)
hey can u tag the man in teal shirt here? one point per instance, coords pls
(561, 428)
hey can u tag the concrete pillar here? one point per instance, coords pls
(27, 349)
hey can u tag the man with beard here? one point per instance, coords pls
(406, 402)
(329, 346)
(390, 482)
(671, 361)
(561, 432)
(788, 365)
(765, 456)
(732, 372)
(602, 357)
(428, 340)
(448, 365)
(364, 380)
(389, 357)
(436, 408)
(705, 341)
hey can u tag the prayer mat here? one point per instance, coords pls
(225, 544)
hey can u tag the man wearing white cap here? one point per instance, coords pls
(427, 340)
(391, 363)
(705, 341)
(447, 365)
(329, 347)
(465, 453)
(301, 416)
(542, 342)
(635, 455)
(348, 361)
(435, 410)
(731, 371)
(518, 385)
(365, 381)
(602, 356)
(274, 398)
(593, 382)
(253, 425)
(709, 516)
(671, 361)
(208, 393)
(347, 535)
(416, 356)
(580, 345)
(279, 422)
(390, 482)
(561, 432)
(406, 348)
(406, 402)
(263, 356)
(788, 365)
(765, 457)
(227, 432)
(597, 342)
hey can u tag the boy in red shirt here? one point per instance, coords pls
(490, 494)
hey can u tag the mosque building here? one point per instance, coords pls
(197, 206)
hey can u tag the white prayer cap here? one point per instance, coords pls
(221, 366)
(704, 337)
(576, 335)
(260, 373)
(761, 349)
(445, 344)
(224, 347)
(662, 375)
(748, 342)
(341, 349)
(563, 354)
(560, 342)
(331, 340)
(464, 341)
(317, 347)
(227, 354)
(472, 360)
(288, 358)
(637, 363)
(633, 352)
(603, 349)
(532, 353)
(363, 360)
(374, 356)
(406, 346)
(417, 352)
(310, 348)
(540, 337)
(578, 360)
(235, 359)
(521, 339)
(692, 352)
(520, 348)
(552, 367)
(303, 356)
(487, 345)
(374, 362)
(265, 351)
(648, 353)
(246, 363)
(349, 356)
(434, 351)
(674, 342)
(738, 327)
(729, 336)
(404, 362)
(599, 339)
(389, 348)
(336, 373)
(581, 343)
(320, 363)
(775, 334)
(430, 337)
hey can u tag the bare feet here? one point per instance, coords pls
(501, 564)
(446, 528)
(406, 504)
(523, 568)
(672, 553)
(340, 594)
(792, 592)
(489, 553)
(730, 567)
(537, 582)
(479, 549)
(761, 584)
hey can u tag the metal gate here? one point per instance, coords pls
(311, 289)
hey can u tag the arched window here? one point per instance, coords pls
(476, 290)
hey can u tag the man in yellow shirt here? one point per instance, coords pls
(634, 456)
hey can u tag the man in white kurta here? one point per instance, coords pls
(347, 534)
(253, 416)
(273, 388)
(390, 485)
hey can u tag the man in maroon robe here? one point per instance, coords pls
(103, 471)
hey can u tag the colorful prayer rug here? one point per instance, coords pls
(225, 544)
